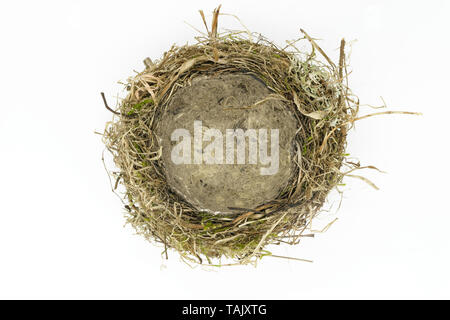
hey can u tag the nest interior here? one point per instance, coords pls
(227, 103)
(308, 84)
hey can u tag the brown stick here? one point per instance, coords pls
(106, 105)
(113, 111)
(341, 60)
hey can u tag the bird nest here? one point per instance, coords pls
(310, 85)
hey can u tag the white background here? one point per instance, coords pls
(61, 227)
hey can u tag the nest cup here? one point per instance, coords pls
(308, 88)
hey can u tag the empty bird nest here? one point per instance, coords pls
(310, 84)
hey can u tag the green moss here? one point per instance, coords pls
(138, 106)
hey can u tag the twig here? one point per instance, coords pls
(341, 60)
(107, 107)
